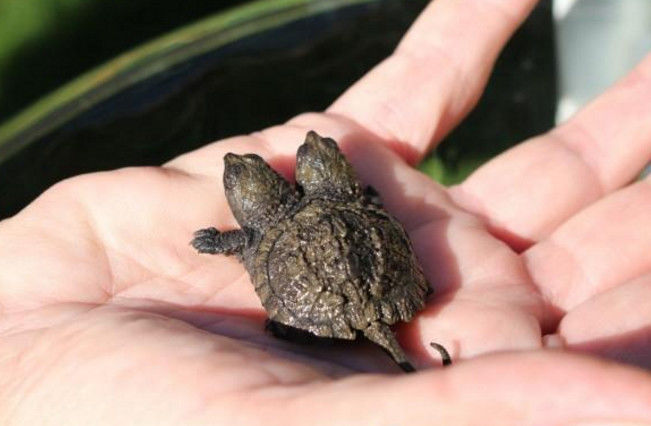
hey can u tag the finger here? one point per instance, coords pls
(436, 74)
(615, 324)
(601, 247)
(541, 387)
(525, 193)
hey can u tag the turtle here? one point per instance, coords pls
(325, 258)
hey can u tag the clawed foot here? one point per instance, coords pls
(212, 241)
(205, 240)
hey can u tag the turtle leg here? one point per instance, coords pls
(212, 241)
(382, 335)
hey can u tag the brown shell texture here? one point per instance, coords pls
(331, 268)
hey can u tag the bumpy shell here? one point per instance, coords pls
(333, 267)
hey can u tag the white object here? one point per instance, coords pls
(598, 41)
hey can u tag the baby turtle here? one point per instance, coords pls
(324, 257)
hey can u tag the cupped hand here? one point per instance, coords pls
(108, 316)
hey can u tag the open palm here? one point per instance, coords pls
(107, 315)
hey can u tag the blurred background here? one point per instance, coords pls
(97, 84)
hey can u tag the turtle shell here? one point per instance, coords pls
(333, 267)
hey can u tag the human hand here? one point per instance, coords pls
(109, 316)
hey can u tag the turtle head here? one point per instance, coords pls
(322, 168)
(256, 194)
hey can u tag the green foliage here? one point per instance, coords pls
(29, 19)
(46, 43)
(450, 174)
(25, 21)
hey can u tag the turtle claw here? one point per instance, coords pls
(445, 355)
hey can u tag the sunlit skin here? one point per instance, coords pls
(539, 261)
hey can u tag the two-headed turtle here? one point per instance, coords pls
(324, 256)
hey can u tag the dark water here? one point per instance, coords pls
(266, 79)
(86, 36)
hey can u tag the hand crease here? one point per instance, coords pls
(558, 135)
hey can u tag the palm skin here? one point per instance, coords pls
(108, 316)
